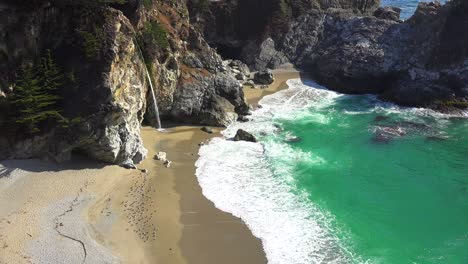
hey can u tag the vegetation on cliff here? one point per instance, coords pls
(35, 98)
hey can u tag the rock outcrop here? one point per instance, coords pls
(97, 45)
(108, 96)
(354, 46)
(371, 55)
(249, 30)
(242, 135)
(264, 77)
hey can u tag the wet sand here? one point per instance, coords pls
(84, 212)
(253, 95)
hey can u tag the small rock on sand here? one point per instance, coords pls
(162, 156)
(207, 130)
(128, 165)
(167, 163)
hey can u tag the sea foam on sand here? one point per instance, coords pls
(238, 178)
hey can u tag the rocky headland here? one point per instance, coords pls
(351, 46)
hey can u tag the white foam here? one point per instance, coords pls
(238, 178)
(287, 104)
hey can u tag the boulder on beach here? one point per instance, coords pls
(207, 130)
(243, 135)
(264, 77)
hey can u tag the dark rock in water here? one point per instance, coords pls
(381, 139)
(435, 138)
(207, 130)
(388, 12)
(243, 135)
(292, 139)
(243, 118)
(415, 125)
(395, 131)
(278, 127)
(264, 77)
(380, 118)
(385, 134)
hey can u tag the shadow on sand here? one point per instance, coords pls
(77, 162)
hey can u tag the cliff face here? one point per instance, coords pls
(249, 29)
(405, 62)
(105, 96)
(356, 47)
(104, 47)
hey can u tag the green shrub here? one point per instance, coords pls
(92, 42)
(148, 4)
(157, 33)
(35, 99)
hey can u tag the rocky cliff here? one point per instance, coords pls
(353, 46)
(104, 99)
(402, 61)
(87, 63)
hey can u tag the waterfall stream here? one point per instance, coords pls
(155, 103)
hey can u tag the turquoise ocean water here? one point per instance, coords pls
(369, 182)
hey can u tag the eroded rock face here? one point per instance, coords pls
(388, 12)
(371, 55)
(251, 29)
(192, 83)
(110, 95)
(110, 103)
(357, 47)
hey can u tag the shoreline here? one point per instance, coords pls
(120, 215)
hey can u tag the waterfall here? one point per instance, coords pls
(155, 103)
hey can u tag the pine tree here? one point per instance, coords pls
(35, 99)
(51, 78)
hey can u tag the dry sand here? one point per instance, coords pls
(84, 212)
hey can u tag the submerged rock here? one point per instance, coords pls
(243, 135)
(291, 138)
(243, 118)
(385, 134)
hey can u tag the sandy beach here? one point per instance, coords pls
(86, 212)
